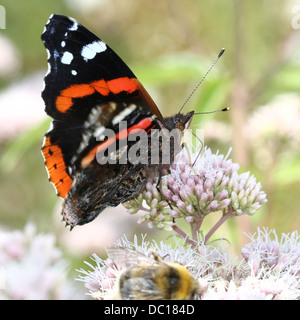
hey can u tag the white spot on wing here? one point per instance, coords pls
(74, 27)
(123, 114)
(51, 16)
(48, 70)
(48, 54)
(99, 131)
(67, 57)
(89, 51)
(50, 127)
(49, 66)
(74, 72)
(45, 28)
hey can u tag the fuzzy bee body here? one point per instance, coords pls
(149, 278)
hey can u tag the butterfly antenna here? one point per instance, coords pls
(208, 71)
(214, 111)
(202, 146)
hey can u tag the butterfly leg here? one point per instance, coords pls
(158, 188)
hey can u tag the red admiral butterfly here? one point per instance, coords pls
(89, 89)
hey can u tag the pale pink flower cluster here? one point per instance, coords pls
(254, 288)
(279, 255)
(32, 267)
(195, 186)
(220, 276)
(274, 269)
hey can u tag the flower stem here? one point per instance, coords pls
(224, 217)
(184, 236)
(195, 226)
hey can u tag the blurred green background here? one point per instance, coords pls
(169, 45)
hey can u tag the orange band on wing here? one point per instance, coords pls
(56, 168)
(122, 84)
(101, 87)
(142, 125)
(78, 91)
(85, 162)
(64, 102)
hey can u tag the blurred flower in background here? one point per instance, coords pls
(85, 6)
(273, 130)
(33, 267)
(94, 237)
(10, 58)
(23, 106)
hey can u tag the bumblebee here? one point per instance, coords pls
(150, 278)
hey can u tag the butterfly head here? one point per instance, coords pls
(179, 121)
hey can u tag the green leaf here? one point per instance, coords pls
(15, 150)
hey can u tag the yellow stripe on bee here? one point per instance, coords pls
(186, 282)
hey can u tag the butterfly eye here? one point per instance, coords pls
(180, 126)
